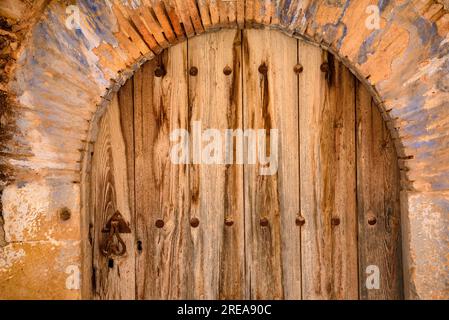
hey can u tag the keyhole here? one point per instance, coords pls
(139, 246)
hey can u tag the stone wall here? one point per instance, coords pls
(56, 81)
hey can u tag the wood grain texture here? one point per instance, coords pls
(327, 113)
(217, 189)
(271, 102)
(162, 188)
(378, 202)
(337, 178)
(111, 190)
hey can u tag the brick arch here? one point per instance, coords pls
(64, 78)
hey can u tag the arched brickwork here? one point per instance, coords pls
(62, 79)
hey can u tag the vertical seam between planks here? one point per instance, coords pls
(299, 167)
(134, 186)
(191, 252)
(92, 228)
(357, 162)
(242, 76)
(91, 224)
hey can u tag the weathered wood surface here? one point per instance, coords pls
(328, 198)
(248, 243)
(378, 202)
(111, 190)
(217, 188)
(164, 255)
(271, 102)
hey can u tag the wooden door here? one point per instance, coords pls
(248, 165)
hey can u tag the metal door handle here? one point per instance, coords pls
(115, 226)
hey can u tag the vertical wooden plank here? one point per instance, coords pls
(315, 236)
(328, 175)
(112, 190)
(344, 242)
(378, 202)
(126, 108)
(230, 255)
(217, 188)
(162, 190)
(271, 102)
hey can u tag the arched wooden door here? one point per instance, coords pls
(229, 220)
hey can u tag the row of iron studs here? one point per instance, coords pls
(160, 71)
(263, 69)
